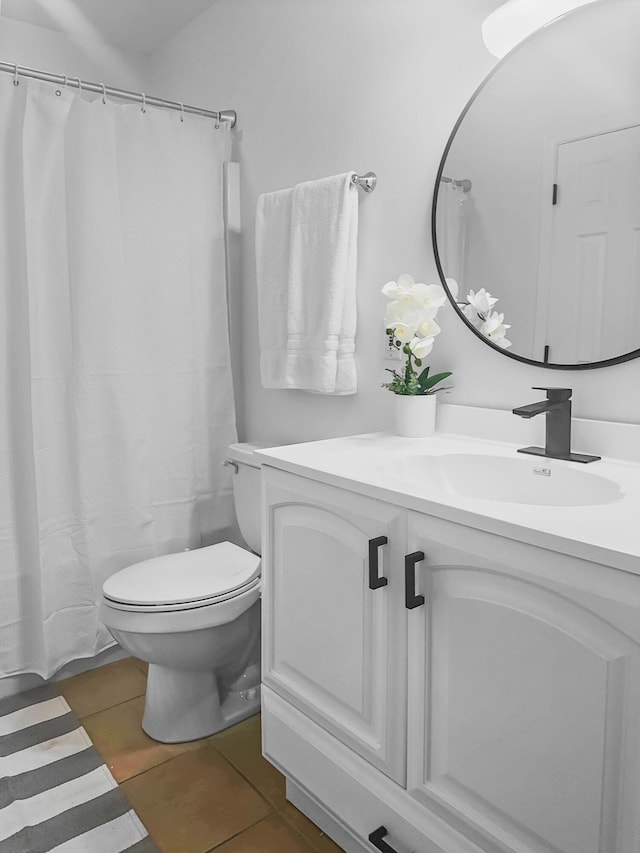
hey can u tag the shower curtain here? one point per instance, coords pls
(452, 216)
(116, 393)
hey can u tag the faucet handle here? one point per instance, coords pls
(556, 395)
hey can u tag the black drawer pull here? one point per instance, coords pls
(376, 839)
(412, 600)
(375, 581)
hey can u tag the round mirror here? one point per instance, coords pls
(536, 212)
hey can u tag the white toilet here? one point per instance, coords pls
(195, 617)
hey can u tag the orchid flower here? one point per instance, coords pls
(482, 301)
(421, 347)
(494, 328)
(478, 309)
(414, 294)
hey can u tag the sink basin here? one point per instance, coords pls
(511, 480)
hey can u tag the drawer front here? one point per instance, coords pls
(352, 792)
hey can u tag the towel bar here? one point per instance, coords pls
(367, 182)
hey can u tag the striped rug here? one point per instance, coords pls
(56, 794)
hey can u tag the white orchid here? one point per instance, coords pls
(428, 328)
(403, 332)
(402, 312)
(472, 316)
(432, 295)
(410, 318)
(415, 294)
(482, 301)
(404, 287)
(494, 328)
(421, 347)
(478, 309)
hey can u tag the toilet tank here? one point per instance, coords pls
(246, 492)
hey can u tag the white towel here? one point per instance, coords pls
(306, 254)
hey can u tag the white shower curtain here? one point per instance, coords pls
(452, 216)
(116, 394)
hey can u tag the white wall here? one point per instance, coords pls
(46, 50)
(324, 86)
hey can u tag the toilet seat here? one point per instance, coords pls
(184, 581)
(150, 620)
(184, 605)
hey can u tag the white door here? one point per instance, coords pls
(593, 308)
(334, 631)
(524, 697)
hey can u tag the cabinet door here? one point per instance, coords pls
(334, 646)
(524, 694)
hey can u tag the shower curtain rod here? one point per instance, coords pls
(464, 183)
(125, 95)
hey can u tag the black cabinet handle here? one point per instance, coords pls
(412, 600)
(376, 838)
(375, 581)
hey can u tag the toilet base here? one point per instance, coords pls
(182, 706)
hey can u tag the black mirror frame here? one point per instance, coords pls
(588, 365)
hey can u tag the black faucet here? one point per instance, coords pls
(557, 407)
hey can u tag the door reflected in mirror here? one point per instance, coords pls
(538, 197)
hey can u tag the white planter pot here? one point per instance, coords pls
(415, 417)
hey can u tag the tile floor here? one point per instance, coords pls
(218, 793)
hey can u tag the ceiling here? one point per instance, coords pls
(131, 24)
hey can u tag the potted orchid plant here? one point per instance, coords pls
(410, 321)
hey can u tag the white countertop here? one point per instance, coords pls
(606, 533)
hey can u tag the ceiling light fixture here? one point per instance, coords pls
(512, 22)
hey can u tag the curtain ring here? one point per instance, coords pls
(217, 121)
(66, 81)
(16, 76)
(181, 111)
(144, 102)
(104, 93)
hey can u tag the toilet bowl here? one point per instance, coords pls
(195, 618)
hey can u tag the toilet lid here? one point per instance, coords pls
(185, 577)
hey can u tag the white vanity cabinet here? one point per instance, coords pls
(524, 693)
(334, 634)
(486, 699)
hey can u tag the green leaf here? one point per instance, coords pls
(433, 380)
(422, 381)
(423, 376)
